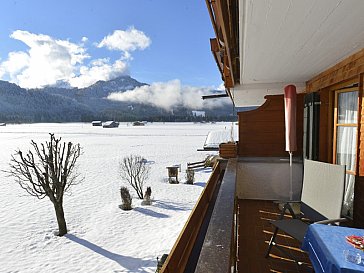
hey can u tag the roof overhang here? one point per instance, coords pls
(225, 49)
(287, 42)
(254, 94)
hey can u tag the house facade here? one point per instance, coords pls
(259, 48)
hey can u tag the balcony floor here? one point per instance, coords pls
(253, 237)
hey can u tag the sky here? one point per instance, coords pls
(43, 42)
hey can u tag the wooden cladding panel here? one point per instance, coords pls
(343, 71)
(262, 131)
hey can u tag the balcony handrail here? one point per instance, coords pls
(219, 249)
(180, 254)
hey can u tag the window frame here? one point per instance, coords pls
(336, 125)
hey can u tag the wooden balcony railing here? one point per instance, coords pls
(207, 241)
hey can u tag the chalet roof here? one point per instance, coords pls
(283, 42)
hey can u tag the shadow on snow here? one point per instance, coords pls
(201, 184)
(151, 213)
(129, 263)
(171, 205)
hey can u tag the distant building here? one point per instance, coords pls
(110, 124)
(138, 123)
(199, 113)
(97, 123)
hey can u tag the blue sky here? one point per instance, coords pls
(83, 41)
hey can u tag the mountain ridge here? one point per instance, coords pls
(61, 104)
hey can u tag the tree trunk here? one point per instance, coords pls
(62, 227)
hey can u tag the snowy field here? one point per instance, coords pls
(101, 237)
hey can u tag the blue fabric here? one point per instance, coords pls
(325, 245)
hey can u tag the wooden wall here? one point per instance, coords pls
(262, 131)
(347, 69)
(346, 72)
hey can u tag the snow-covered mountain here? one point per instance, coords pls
(100, 89)
(104, 88)
(60, 103)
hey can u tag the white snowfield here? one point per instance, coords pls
(101, 237)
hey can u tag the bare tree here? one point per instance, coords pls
(48, 170)
(134, 170)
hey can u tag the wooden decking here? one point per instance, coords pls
(253, 237)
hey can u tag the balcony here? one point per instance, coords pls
(229, 234)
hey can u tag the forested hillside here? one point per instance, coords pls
(59, 104)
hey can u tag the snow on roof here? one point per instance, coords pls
(214, 138)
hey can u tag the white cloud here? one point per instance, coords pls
(46, 61)
(221, 87)
(126, 40)
(100, 69)
(15, 63)
(169, 94)
(49, 60)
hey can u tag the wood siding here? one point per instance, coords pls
(262, 131)
(345, 73)
(345, 70)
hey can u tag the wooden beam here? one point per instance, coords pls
(215, 49)
(224, 23)
(226, 42)
(229, 80)
(215, 96)
(212, 17)
(214, 45)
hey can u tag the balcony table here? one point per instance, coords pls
(325, 245)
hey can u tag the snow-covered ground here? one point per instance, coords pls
(101, 238)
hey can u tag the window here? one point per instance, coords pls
(345, 140)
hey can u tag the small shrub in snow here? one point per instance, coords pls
(147, 197)
(190, 176)
(161, 262)
(125, 198)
